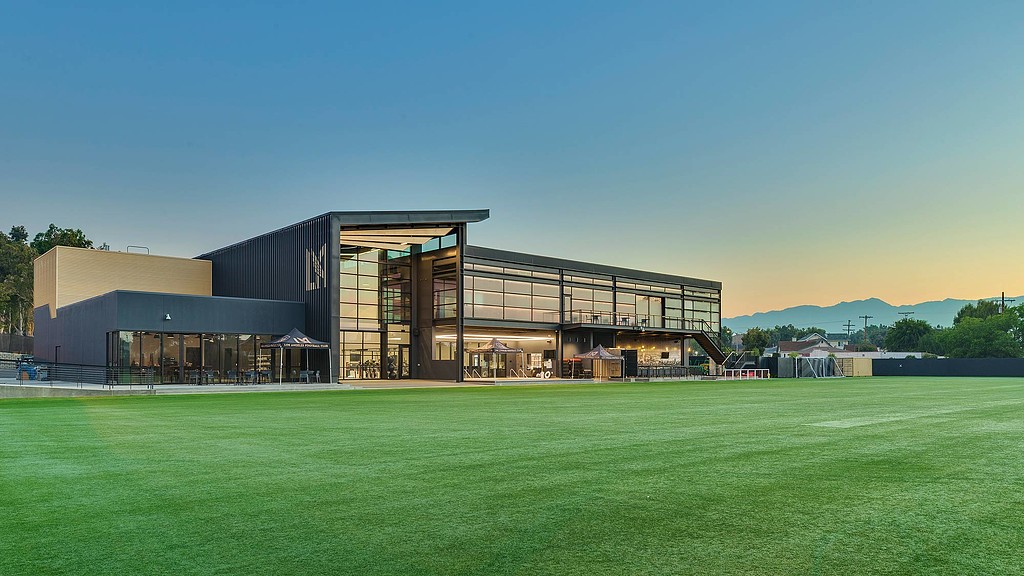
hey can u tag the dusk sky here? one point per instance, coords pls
(800, 153)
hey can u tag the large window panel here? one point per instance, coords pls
(491, 284)
(545, 303)
(517, 300)
(516, 287)
(545, 290)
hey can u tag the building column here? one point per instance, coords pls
(684, 352)
(460, 308)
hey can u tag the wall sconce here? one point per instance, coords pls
(167, 316)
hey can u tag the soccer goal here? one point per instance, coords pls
(810, 367)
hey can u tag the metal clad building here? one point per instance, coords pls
(396, 294)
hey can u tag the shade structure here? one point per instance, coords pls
(495, 347)
(600, 353)
(297, 340)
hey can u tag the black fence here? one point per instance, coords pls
(668, 371)
(948, 367)
(15, 343)
(49, 372)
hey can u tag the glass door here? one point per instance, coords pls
(396, 365)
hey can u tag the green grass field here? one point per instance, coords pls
(854, 476)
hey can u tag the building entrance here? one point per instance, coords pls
(396, 365)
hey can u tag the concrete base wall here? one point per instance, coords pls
(14, 391)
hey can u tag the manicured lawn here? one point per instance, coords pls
(855, 476)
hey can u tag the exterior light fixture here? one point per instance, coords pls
(167, 316)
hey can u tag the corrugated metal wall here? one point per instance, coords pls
(294, 263)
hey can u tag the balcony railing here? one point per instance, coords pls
(634, 321)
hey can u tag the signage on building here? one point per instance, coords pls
(316, 268)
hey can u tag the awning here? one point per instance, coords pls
(599, 353)
(495, 347)
(295, 339)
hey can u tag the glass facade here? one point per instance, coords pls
(169, 358)
(502, 291)
(375, 313)
(511, 299)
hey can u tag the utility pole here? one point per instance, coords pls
(906, 314)
(849, 328)
(1003, 301)
(865, 317)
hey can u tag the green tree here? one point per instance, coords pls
(905, 335)
(876, 335)
(15, 283)
(725, 335)
(19, 234)
(990, 337)
(983, 309)
(54, 236)
(756, 338)
(802, 332)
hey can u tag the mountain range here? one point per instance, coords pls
(834, 318)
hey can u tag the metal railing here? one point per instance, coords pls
(632, 320)
(51, 373)
(657, 371)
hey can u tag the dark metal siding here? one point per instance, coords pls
(274, 266)
(80, 329)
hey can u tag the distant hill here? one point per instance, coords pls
(832, 318)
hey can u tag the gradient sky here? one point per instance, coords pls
(800, 153)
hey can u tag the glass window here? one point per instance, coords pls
(489, 298)
(516, 287)
(545, 289)
(517, 300)
(518, 314)
(492, 284)
(544, 303)
(170, 362)
(480, 311)
(582, 294)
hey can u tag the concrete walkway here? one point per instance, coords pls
(12, 388)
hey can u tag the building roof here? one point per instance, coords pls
(377, 218)
(588, 267)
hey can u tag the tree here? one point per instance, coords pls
(989, 337)
(876, 336)
(802, 332)
(756, 338)
(15, 283)
(983, 309)
(905, 335)
(725, 335)
(54, 236)
(19, 234)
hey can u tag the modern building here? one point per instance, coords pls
(395, 294)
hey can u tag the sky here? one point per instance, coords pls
(797, 152)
